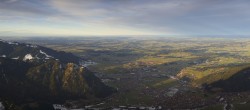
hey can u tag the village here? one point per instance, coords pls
(91, 107)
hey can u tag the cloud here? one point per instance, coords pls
(155, 16)
(163, 16)
(137, 14)
(25, 8)
(9, 1)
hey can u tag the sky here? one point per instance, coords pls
(124, 17)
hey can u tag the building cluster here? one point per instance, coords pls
(62, 107)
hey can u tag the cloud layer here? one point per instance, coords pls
(125, 17)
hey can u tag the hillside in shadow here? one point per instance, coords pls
(239, 82)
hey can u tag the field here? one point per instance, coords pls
(146, 71)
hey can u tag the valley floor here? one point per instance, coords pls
(168, 72)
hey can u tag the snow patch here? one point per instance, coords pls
(4, 56)
(221, 99)
(13, 43)
(28, 57)
(37, 57)
(59, 107)
(47, 56)
(15, 58)
(29, 45)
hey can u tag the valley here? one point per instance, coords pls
(124, 55)
(177, 73)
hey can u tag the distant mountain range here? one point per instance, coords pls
(35, 73)
(22, 51)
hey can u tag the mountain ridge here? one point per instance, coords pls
(47, 77)
(23, 51)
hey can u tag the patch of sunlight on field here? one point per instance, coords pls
(202, 74)
(165, 83)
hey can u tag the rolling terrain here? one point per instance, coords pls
(161, 71)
